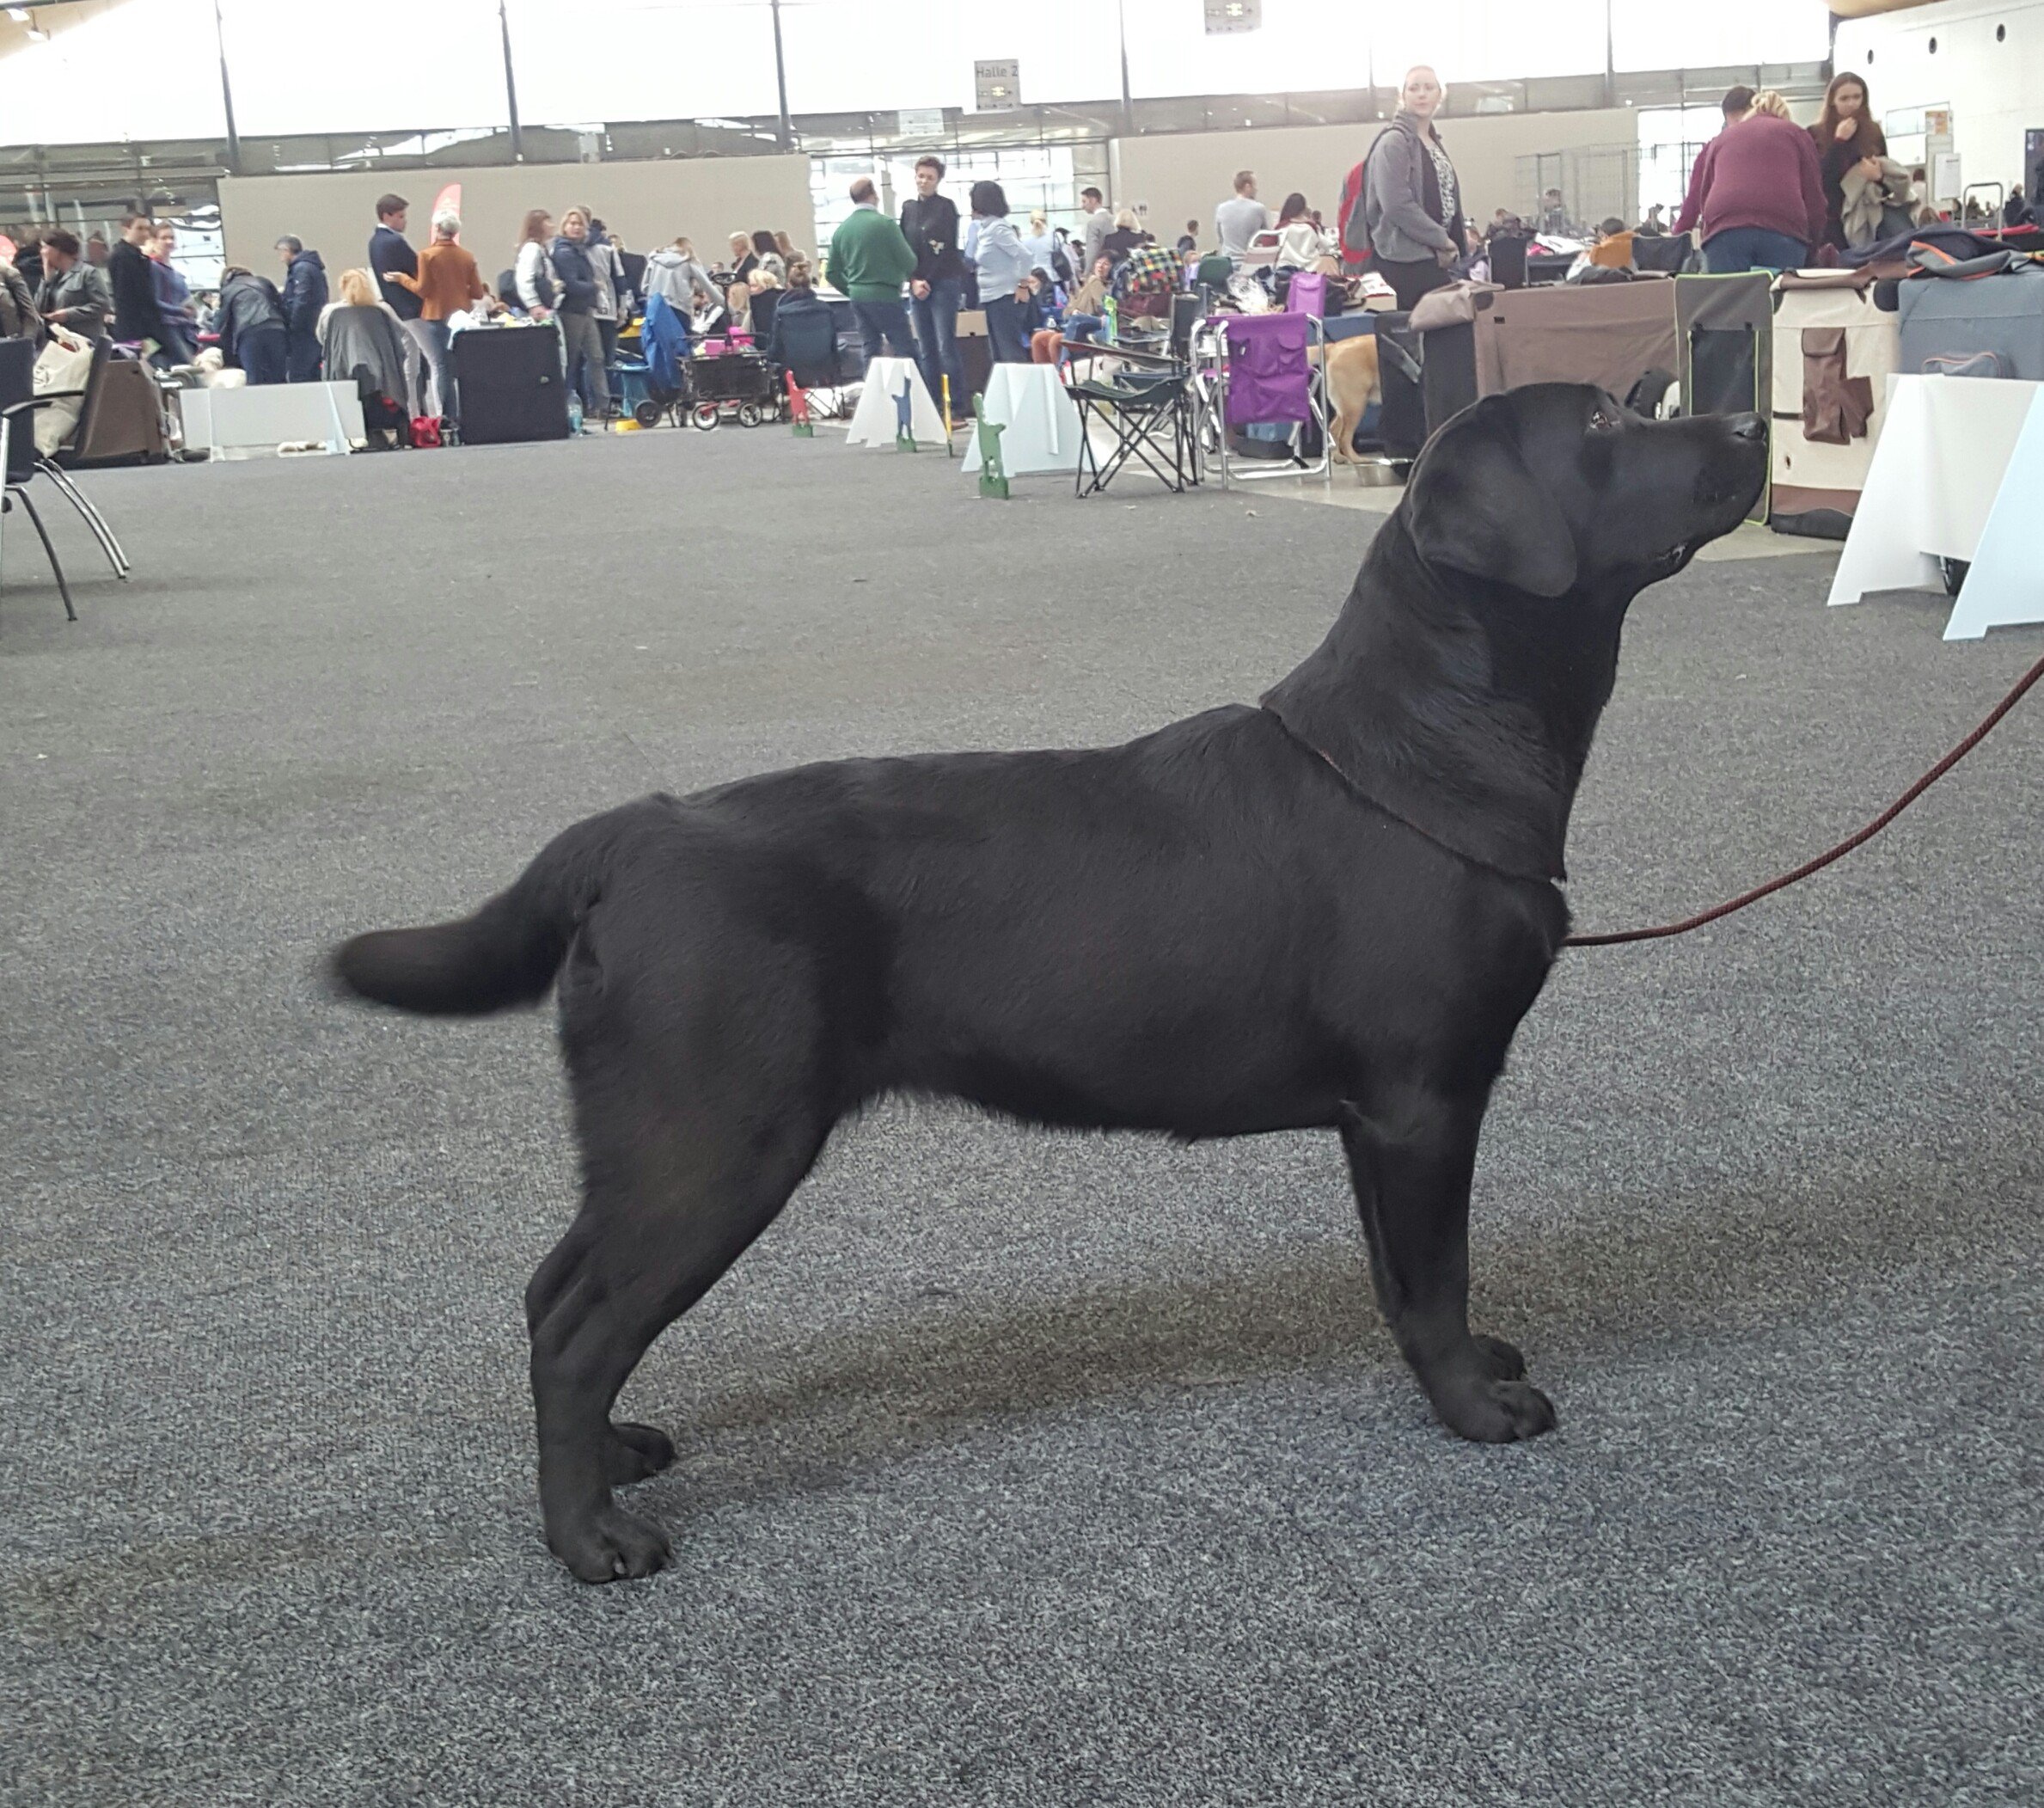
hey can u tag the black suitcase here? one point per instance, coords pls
(1402, 425)
(1449, 373)
(512, 384)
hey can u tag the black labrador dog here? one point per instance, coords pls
(1331, 910)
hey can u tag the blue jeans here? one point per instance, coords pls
(302, 356)
(438, 341)
(1753, 248)
(1007, 329)
(265, 354)
(1082, 329)
(884, 325)
(936, 316)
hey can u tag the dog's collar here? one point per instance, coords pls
(1475, 859)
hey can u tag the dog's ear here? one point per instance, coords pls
(1474, 505)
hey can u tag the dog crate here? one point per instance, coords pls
(1713, 334)
(1834, 350)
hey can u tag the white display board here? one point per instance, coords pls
(1960, 465)
(877, 419)
(1042, 420)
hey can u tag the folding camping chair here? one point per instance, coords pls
(1144, 402)
(1262, 373)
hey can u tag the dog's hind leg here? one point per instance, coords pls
(648, 1243)
(698, 1117)
(1411, 1161)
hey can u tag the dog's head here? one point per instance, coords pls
(1557, 489)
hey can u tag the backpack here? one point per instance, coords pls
(1351, 214)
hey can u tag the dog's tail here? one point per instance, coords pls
(507, 953)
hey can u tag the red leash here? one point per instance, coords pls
(1844, 848)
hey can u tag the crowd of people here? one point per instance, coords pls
(1763, 194)
(908, 277)
(1767, 193)
(391, 319)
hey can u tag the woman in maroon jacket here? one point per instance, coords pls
(1844, 134)
(1756, 190)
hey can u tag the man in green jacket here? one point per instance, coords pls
(870, 260)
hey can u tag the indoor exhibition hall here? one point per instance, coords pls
(1133, 905)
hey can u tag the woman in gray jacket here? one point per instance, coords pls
(1411, 203)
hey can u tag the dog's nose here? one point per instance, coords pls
(1747, 426)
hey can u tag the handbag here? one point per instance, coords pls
(64, 364)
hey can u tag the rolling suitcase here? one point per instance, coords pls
(512, 384)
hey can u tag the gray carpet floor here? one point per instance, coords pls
(1015, 1467)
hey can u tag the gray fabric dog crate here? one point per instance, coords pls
(1947, 324)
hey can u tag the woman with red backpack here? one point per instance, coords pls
(1408, 206)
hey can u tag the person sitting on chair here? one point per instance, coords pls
(1084, 313)
(805, 338)
(1300, 245)
(360, 339)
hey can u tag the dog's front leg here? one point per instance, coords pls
(1411, 1159)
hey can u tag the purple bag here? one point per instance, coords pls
(1267, 376)
(1307, 294)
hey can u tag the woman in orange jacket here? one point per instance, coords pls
(447, 281)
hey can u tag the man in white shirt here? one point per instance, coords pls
(1097, 224)
(1239, 221)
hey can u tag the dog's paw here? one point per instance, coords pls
(610, 1543)
(1503, 1359)
(1488, 1409)
(637, 1451)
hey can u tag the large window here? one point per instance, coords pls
(1670, 138)
(1663, 34)
(149, 68)
(1048, 176)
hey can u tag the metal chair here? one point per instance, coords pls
(53, 466)
(18, 460)
(1260, 369)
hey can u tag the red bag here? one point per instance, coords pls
(1353, 255)
(425, 430)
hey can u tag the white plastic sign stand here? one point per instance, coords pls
(252, 422)
(876, 420)
(1042, 421)
(2005, 585)
(1957, 454)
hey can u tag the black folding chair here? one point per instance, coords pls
(18, 461)
(55, 466)
(1145, 404)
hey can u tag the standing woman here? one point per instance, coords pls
(612, 289)
(537, 289)
(769, 254)
(1845, 134)
(744, 259)
(173, 297)
(577, 314)
(448, 284)
(1005, 292)
(1411, 202)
